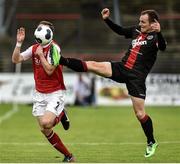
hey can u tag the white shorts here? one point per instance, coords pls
(53, 102)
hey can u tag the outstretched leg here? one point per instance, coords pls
(100, 68)
(74, 64)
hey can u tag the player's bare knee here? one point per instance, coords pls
(46, 123)
(100, 68)
(92, 65)
(140, 115)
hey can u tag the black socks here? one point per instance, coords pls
(74, 64)
(147, 126)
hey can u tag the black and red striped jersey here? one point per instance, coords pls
(142, 52)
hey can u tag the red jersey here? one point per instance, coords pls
(45, 83)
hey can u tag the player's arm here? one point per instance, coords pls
(161, 42)
(127, 32)
(49, 69)
(16, 57)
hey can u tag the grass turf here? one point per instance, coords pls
(97, 134)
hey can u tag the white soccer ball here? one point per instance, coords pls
(43, 34)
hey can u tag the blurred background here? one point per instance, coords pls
(81, 32)
(100, 131)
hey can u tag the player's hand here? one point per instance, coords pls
(156, 26)
(20, 34)
(105, 13)
(39, 51)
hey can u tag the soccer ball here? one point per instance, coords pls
(43, 34)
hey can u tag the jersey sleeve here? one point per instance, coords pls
(126, 31)
(161, 42)
(27, 54)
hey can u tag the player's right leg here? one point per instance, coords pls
(74, 64)
(100, 68)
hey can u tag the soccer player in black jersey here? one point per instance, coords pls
(134, 67)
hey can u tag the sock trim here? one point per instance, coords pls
(144, 119)
(50, 135)
(84, 66)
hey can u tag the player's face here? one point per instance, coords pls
(145, 24)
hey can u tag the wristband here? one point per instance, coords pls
(18, 44)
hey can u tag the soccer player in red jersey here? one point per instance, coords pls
(146, 40)
(48, 98)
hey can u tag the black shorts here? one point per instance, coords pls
(135, 82)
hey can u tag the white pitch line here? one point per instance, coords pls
(9, 113)
(86, 143)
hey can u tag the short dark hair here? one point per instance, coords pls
(152, 14)
(48, 24)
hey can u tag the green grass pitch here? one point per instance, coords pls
(97, 134)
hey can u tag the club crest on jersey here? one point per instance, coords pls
(37, 61)
(138, 42)
(149, 37)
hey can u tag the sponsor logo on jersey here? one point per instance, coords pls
(138, 42)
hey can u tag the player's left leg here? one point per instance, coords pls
(56, 106)
(146, 123)
(64, 119)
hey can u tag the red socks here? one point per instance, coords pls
(54, 139)
(144, 119)
(74, 64)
